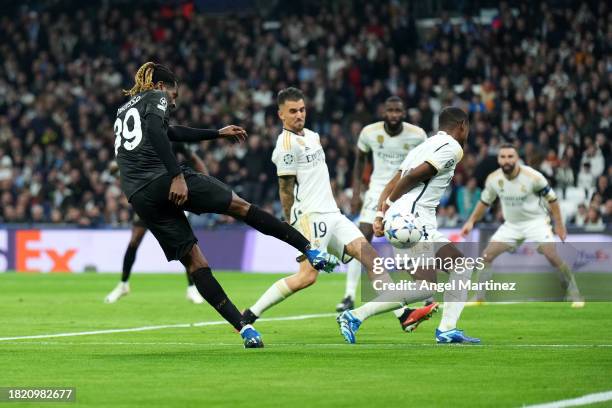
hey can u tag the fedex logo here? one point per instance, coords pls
(35, 254)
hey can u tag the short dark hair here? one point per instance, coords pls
(451, 117)
(394, 99)
(507, 145)
(289, 94)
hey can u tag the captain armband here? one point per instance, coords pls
(548, 193)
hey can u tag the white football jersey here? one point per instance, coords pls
(388, 152)
(443, 152)
(303, 157)
(521, 197)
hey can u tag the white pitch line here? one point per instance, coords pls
(162, 326)
(576, 402)
(339, 344)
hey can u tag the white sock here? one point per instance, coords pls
(352, 278)
(454, 301)
(376, 307)
(373, 308)
(399, 312)
(276, 293)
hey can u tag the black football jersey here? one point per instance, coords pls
(138, 162)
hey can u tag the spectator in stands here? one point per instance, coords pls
(564, 176)
(586, 179)
(603, 188)
(447, 217)
(607, 214)
(581, 215)
(467, 198)
(594, 222)
(529, 83)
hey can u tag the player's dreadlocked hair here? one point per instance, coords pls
(148, 75)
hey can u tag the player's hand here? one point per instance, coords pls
(561, 231)
(379, 229)
(178, 190)
(234, 132)
(467, 228)
(356, 204)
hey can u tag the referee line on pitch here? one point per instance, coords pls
(576, 402)
(163, 326)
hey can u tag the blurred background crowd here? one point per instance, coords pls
(534, 73)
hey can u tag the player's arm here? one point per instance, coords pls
(187, 134)
(555, 211)
(361, 158)
(479, 211)
(286, 184)
(544, 190)
(161, 144)
(378, 225)
(413, 178)
(285, 157)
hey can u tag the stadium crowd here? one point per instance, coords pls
(536, 75)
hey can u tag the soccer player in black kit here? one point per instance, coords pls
(160, 190)
(139, 229)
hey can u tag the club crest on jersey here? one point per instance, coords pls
(380, 139)
(523, 189)
(300, 142)
(406, 146)
(288, 158)
(449, 164)
(501, 184)
(163, 104)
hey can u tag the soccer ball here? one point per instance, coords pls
(402, 229)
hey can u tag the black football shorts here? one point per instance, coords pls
(168, 222)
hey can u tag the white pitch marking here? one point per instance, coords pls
(162, 326)
(576, 402)
(339, 344)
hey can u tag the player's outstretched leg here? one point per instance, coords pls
(350, 321)
(270, 225)
(454, 300)
(568, 281)
(281, 290)
(123, 287)
(211, 290)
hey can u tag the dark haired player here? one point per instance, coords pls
(521, 191)
(159, 190)
(417, 187)
(387, 142)
(139, 229)
(308, 202)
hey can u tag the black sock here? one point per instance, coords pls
(128, 262)
(270, 225)
(189, 279)
(211, 290)
(406, 313)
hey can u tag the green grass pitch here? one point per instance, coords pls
(531, 353)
